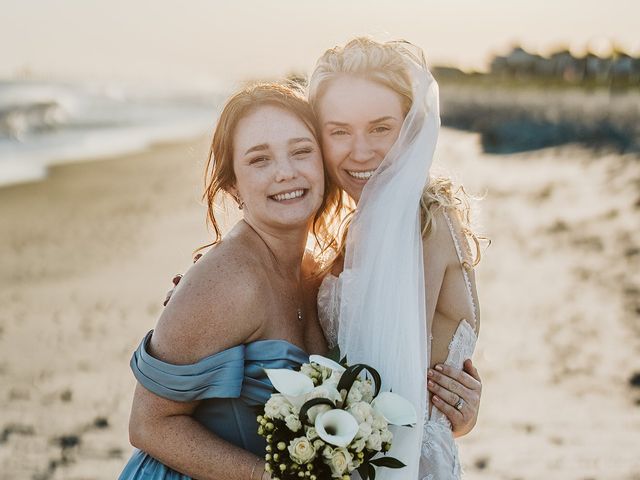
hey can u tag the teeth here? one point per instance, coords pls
(361, 175)
(288, 196)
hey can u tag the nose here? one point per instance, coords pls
(285, 170)
(361, 150)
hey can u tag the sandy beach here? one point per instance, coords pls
(87, 255)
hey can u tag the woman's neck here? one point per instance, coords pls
(287, 246)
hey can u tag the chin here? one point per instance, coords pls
(295, 221)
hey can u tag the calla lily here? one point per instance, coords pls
(293, 385)
(395, 409)
(336, 427)
(326, 362)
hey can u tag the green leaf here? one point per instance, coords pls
(363, 470)
(388, 462)
(304, 418)
(372, 472)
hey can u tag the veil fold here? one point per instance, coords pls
(382, 309)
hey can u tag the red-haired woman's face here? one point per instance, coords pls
(278, 168)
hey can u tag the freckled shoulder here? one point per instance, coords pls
(215, 306)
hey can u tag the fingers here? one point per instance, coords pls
(450, 397)
(447, 383)
(168, 297)
(455, 417)
(176, 280)
(471, 370)
(459, 376)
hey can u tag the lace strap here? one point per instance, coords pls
(456, 242)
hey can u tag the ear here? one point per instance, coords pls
(235, 193)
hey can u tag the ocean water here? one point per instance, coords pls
(44, 123)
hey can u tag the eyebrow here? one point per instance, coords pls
(299, 139)
(265, 146)
(377, 120)
(257, 148)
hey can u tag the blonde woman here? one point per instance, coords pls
(400, 294)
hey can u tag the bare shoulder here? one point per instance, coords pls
(438, 242)
(214, 307)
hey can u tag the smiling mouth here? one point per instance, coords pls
(292, 195)
(363, 175)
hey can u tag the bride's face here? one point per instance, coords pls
(278, 169)
(359, 120)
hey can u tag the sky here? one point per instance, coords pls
(200, 41)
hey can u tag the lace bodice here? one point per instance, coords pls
(329, 308)
(439, 458)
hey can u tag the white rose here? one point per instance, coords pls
(301, 451)
(361, 411)
(386, 435)
(293, 422)
(311, 433)
(277, 407)
(358, 445)
(374, 442)
(364, 430)
(355, 395)
(318, 443)
(378, 422)
(327, 452)
(339, 462)
(366, 388)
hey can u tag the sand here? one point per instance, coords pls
(87, 255)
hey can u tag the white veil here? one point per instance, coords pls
(382, 309)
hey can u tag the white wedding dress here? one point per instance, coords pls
(439, 460)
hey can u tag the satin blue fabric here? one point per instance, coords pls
(230, 385)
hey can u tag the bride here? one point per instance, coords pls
(400, 293)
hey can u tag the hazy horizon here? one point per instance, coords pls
(200, 41)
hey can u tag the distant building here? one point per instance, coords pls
(561, 65)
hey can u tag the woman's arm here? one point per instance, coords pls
(166, 430)
(214, 308)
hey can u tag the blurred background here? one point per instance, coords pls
(106, 109)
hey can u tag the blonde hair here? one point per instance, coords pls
(385, 64)
(219, 173)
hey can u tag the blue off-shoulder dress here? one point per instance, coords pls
(230, 385)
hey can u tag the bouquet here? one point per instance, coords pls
(327, 420)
